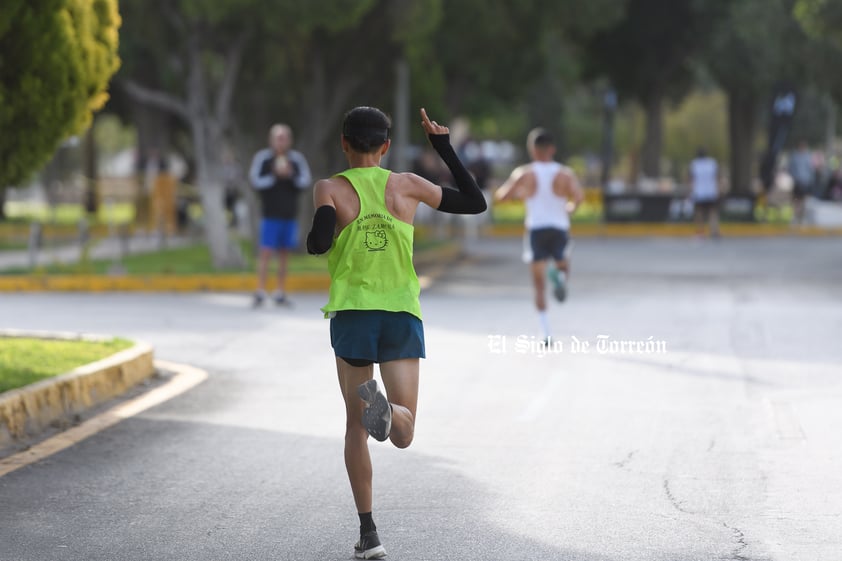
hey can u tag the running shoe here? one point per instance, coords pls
(259, 297)
(369, 547)
(281, 299)
(377, 416)
(559, 285)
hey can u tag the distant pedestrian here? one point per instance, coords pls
(803, 176)
(551, 192)
(279, 174)
(704, 191)
(364, 218)
(164, 192)
(833, 189)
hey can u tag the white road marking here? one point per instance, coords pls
(186, 377)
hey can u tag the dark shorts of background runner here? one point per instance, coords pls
(704, 207)
(548, 243)
(800, 191)
(367, 336)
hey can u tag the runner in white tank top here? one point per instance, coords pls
(551, 193)
(545, 209)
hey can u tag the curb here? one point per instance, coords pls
(26, 412)
(154, 283)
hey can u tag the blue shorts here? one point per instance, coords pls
(376, 335)
(277, 233)
(548, 243)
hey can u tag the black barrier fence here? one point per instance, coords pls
(669, 208)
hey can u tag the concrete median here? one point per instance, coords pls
(56, 402)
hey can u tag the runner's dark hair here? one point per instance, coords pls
(366, 128)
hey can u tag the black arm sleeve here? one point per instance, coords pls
(468, 199)
(320, 237)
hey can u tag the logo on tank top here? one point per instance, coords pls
(374, 226)
(376, 240)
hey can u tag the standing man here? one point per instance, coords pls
(803, 176)
(551, 193)
(704, 178)
(364, 219)
(279, 174)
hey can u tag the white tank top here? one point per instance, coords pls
(545, 209)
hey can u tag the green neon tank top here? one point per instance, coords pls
(370, 263)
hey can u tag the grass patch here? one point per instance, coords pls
(24, 361)
(68, 214)
(190, 260)
(193, 260)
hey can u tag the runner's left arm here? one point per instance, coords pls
(467, 198)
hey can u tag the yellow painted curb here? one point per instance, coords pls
(28, 411)
(642, 230)
(153, 283)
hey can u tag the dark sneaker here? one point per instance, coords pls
(369, 547)
(259, 297)
(559, 284)
(377, 416)
(282, 300)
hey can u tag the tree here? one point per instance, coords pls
(56, 60)
(821, 18)
(500, 55)
(758, 46)
(648, 56)
(309, 60)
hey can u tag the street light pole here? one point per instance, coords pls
(609, 105)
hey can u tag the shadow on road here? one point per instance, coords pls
(153, 489)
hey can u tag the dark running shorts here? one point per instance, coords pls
(547, 243)
(706, 205)
(800, 190)
(376, 335)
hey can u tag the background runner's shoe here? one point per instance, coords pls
(377, 416)
(369, 547)
(559, 284)
(281, 299)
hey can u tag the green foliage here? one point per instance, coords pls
(699, 121)
(25, 361)
(189, 260)
(56, 58)
(650, 50)
(821, 18)
(112, 135)
(758, 45)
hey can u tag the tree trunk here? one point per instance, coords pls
(211, 187)
(2, 203)
(653, 141)
(327, 102)
(91, 201)
(742, 127)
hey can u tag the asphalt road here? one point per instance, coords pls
(691, 412)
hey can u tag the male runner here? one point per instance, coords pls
(551, 193)
(364, 218)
